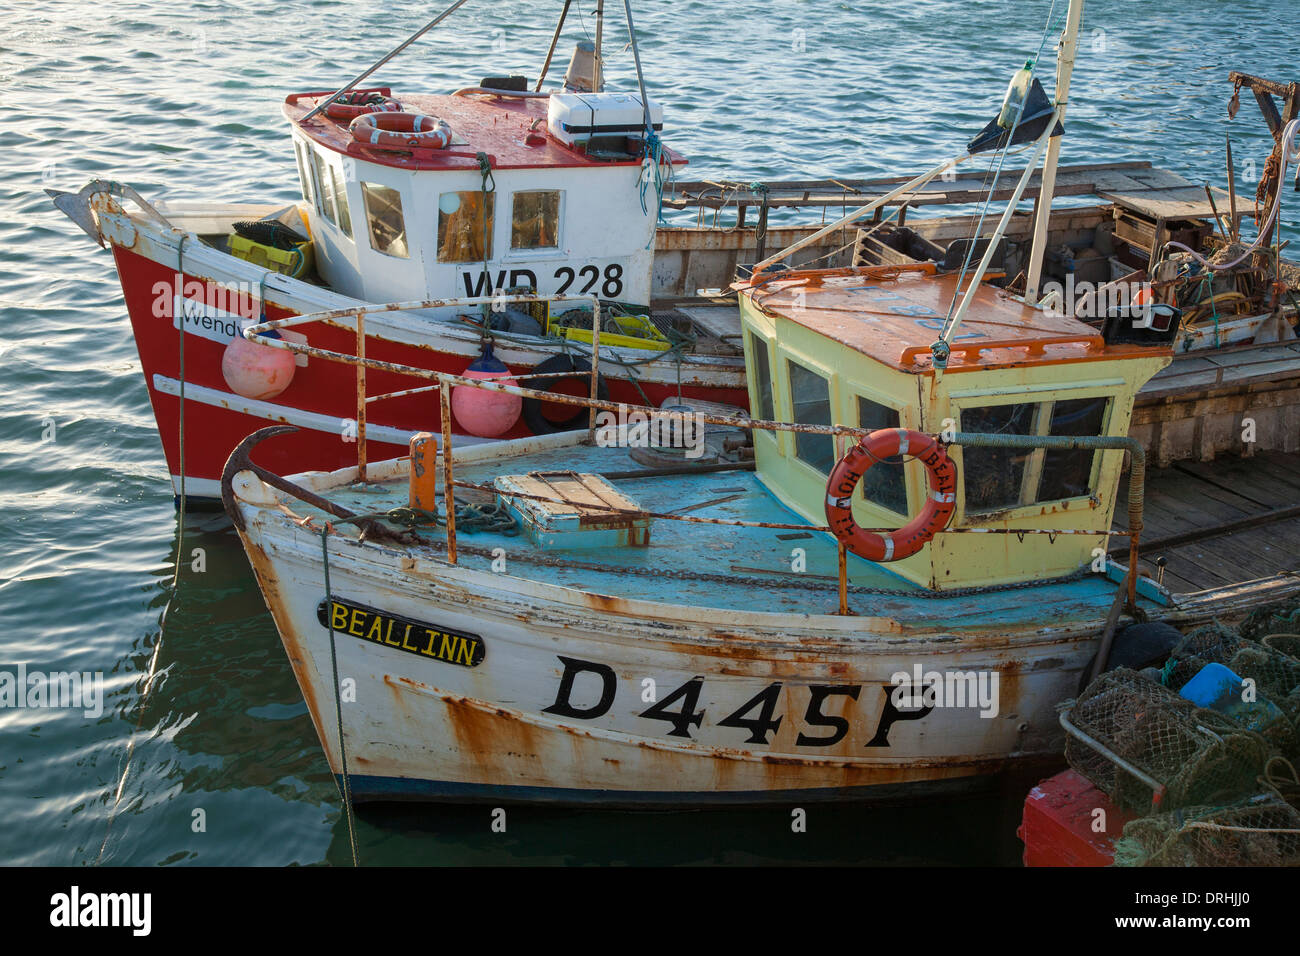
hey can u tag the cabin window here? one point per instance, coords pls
(340, 190)
(883, 483)
(810, 399)
(325, 196)
(463, 226)
(1068, 474)
(762, 380)
(1002, 478)
(384, 220)
(535, 220)
(304, 177)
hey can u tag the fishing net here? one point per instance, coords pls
(1274, 672)
(1200, 757)
(1231, 794)
(1262, 830)
(1280, 617)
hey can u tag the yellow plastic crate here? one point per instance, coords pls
(638, 333)
(285, 261)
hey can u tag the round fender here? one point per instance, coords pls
(534, 416)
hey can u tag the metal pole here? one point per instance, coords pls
(361, 397)
(1064, 68)
(598, 74)
(636, 56)
(551, 52)
(396, 50)
(595, 366)
(449, 485)
(950, 331)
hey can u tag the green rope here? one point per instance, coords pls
(470, 519)
(338, 703)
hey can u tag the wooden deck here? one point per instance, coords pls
(1217, 523)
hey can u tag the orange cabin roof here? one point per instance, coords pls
(499, 127)
(893, 314)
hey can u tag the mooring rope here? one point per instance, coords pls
(176, 572)
(338, 702)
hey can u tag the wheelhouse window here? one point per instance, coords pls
(810, 398)
(340, 190)
(762, 378)
(883, 483)
(1000, 478)
(325, 196)
(465, 223)
(304, 176)
(535, 219)
(384, 220)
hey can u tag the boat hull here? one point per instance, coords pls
(159, 275)
(585, 698)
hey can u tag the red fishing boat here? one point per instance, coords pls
(449, 201)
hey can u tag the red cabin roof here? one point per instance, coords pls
(499, 127)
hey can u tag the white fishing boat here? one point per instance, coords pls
(891, 599)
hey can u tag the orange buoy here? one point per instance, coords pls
(484, 413)
(257, 371)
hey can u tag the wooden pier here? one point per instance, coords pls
(1218, 523)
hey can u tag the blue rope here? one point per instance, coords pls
(653, 178)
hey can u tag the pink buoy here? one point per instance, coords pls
(480, 412)
(256, 371)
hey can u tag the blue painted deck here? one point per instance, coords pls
(751, 554)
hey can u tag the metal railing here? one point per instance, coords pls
(444, 383)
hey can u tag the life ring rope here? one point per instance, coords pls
(354, 103)
(872, 449)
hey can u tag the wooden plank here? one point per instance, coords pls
(1265, 476)
(1211, 487)
(1211, 481)
(1178, 202)
(1192, 562)
(717, 320)
(1282, 461)
(1174, 582)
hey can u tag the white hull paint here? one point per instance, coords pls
(450, 727)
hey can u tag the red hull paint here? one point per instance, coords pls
(1058, 823)
(322, 387)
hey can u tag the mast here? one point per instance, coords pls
(597, 74)
(1043, 208)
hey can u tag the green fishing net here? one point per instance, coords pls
(1201, 757)
(1261, 830)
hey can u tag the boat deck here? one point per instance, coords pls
(722, 566)
(1215, 523)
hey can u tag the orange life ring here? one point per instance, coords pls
(940, 501)
(401, 131)
(357, 103)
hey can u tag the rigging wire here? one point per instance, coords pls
(1003, 153)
